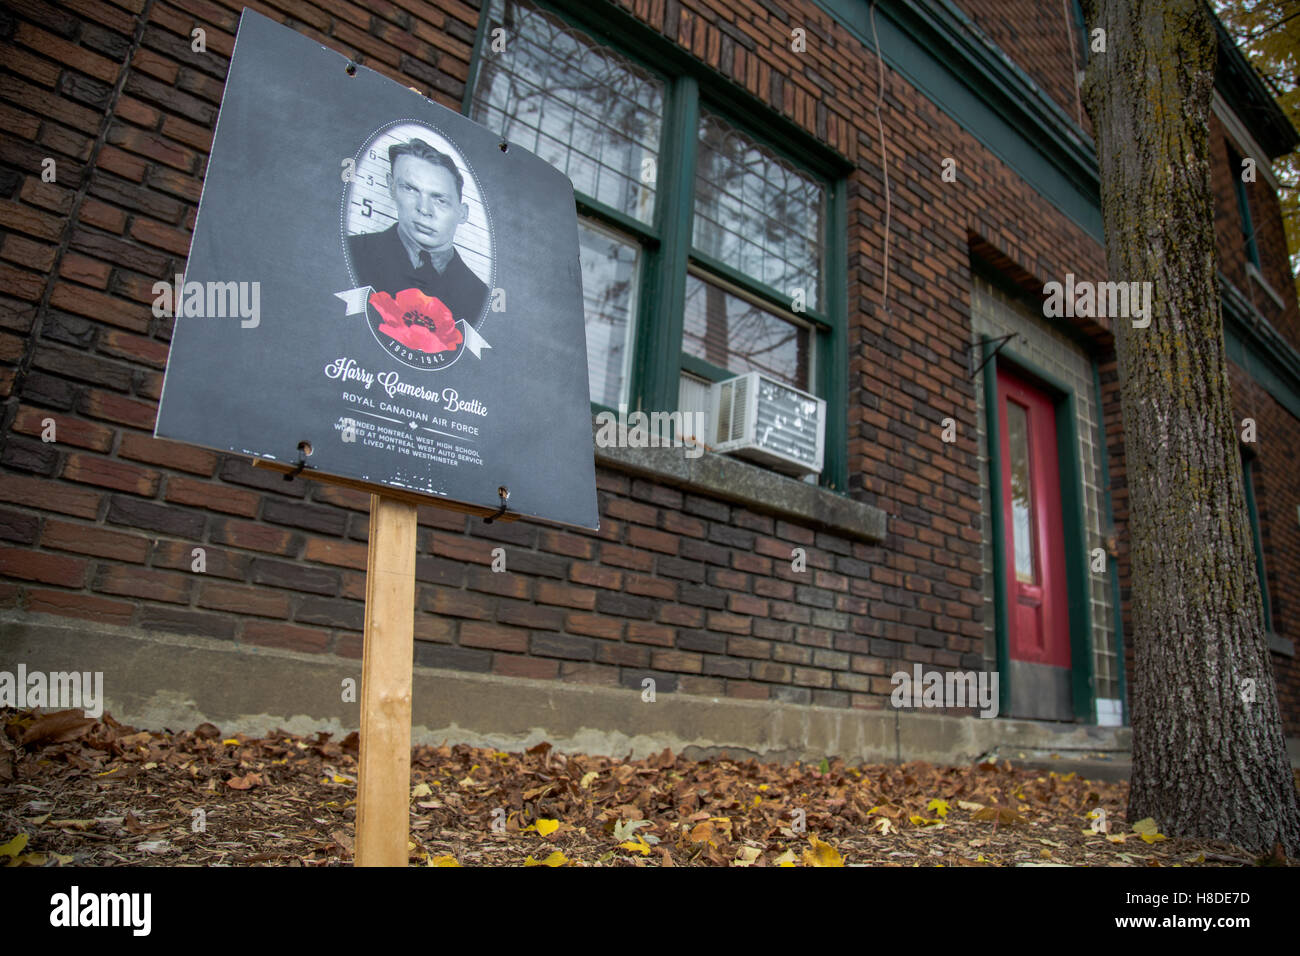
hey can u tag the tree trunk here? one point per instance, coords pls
(1209, 759)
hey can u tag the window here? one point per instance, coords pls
(706, 251)
(1243, 208)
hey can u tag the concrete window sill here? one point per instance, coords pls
(738, 481)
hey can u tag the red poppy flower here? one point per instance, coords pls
(418, 321)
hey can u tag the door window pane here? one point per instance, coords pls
(733, 333)
(610, 270)
(583, 108)
(757, 213)
(1022, 505)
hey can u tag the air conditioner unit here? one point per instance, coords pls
(759, 418)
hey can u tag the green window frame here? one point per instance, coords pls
(668, 256)
(1248, 485)
(1243, 208)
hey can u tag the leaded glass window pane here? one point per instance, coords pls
(739, 336)
(610, 271)
(757, 213)
(583, 108)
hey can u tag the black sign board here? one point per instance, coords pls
(383, 280)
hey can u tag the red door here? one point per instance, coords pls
(1038, 617)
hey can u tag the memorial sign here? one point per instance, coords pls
(382, 290)
(384, 294)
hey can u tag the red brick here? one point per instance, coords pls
(643, 632)
(145, 583)
(343, 554)
(43, 568)
(515, 665)
(255, 537)
(682, 661)
(650, 587)
(288, 636)
(594, 625)
(121, 162)
(571, 545)
(600, 577)
(27, 220)
(552, 592)
(493, 636)
(67, 429)
(110, 473)
(84, 606)
(90, 539)
(240, 599)
(169, 454)
(102, 215)
(213, 496)
(49, 496)
(136, 347)
(83, 269)
(68, 54)
(100, 306)
(25, 252)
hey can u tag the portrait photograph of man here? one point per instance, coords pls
(418, 237)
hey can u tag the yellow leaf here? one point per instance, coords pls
(230, 742)
(1148, 830)
(28, 859)
(938, 806)
(39, 820)
(14, 846)
(63, 860)
(588, 778)
(821, 854)
(555, 859)
(922, 821)
(444, 860)
(763, 787)
(421, 790)
(547, 827)
(640, 846)
(1070, 776)
(785, 859)
(757, 800)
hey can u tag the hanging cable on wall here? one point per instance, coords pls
(884, 160)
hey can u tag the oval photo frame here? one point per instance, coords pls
(413, 325)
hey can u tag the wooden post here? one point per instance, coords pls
(384, 765)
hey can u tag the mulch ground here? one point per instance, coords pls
(78, 791)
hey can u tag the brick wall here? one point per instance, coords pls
(695, 591)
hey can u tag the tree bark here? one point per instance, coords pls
(1208, 761)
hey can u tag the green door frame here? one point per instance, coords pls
(1076, 554)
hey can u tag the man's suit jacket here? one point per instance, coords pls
(380, 261)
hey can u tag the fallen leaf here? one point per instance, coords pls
(444, 860)
(821, 854)
(555, 859)
(547, 827)
(14, 846)
(60, 727)
(1147, 830)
